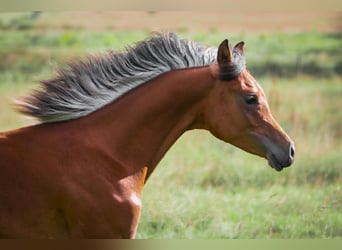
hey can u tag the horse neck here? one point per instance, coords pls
(138, 128)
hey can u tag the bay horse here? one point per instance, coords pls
(106, 122)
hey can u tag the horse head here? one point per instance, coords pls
(237, 111)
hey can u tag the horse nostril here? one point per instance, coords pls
(292, 151)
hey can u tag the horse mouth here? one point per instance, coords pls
(275, 163)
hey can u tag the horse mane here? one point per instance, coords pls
(85, 86)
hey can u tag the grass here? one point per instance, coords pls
(310, 53)
(204, 188)
(271, 213)
(209, 189)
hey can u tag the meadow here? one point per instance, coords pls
(204, 188)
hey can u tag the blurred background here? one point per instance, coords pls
(204, 188)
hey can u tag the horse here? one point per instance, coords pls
(106, 121)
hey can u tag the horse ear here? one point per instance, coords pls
(224, 54)
(239, 46)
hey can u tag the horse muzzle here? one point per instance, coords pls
(278, 161)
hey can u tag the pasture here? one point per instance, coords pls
(204, 188)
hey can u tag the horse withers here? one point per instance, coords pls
(107, 121)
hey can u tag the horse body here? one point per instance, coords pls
(51, 192)
(83, 178)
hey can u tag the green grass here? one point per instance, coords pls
(224, 192)
(274, 212)
(285, 55)
(204, 188)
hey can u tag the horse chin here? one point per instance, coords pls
(274, 163)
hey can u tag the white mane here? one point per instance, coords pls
(87, 85)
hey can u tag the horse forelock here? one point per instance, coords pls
(86, 85)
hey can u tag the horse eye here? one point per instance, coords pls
(251, 99)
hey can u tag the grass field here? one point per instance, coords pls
(204, 188)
